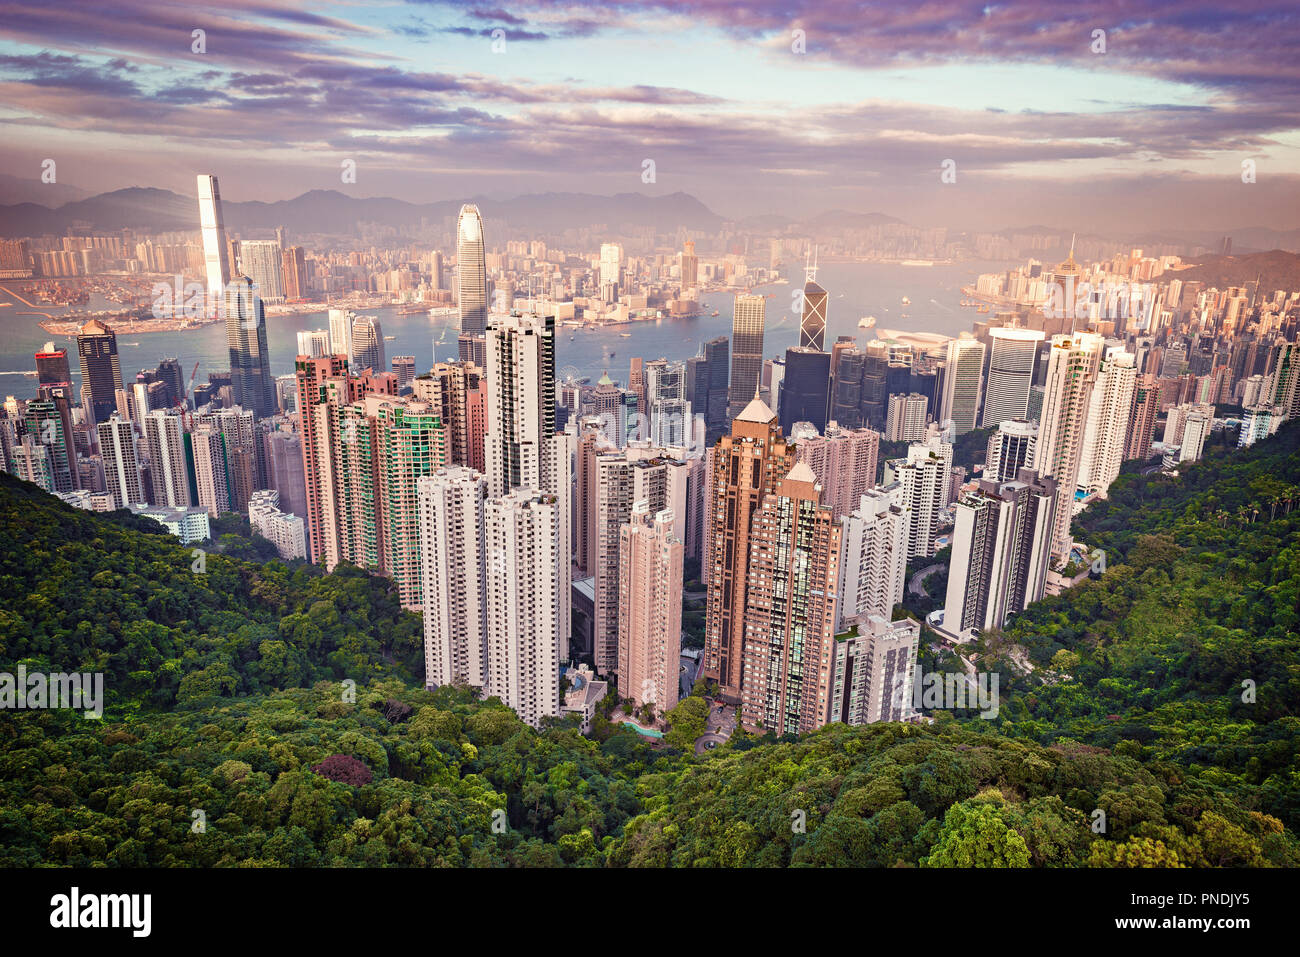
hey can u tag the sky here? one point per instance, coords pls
(1107, 116)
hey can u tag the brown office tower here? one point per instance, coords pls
(747, 466)
(1142, 422)
(789, 648)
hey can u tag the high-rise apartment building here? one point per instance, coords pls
(638, 473)
(874, 671)
(454, 556)
(527, 597)
(449, 388)
(1001, 552)
(747, 466)
(261, 261)
(873, 565)
(790, 609)
(122, 477)
(650, 608)
(522, 448)
(845, 462)
(925, 479)
(905, 421)
(211, 469)
(1010, 449)
(747, 323)
(1110, 410)
(48, 424)
(1142, 420)
(1072, 366)
(165, 441)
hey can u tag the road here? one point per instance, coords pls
(916, 586)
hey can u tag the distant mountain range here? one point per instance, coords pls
(1276, 269)
(333, 212)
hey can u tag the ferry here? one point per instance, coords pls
(906, 301)
(866, 322)
(390, 338)
(626, 335)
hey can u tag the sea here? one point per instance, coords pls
(855, 290)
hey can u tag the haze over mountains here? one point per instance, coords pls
(330, 211)
(333, 212)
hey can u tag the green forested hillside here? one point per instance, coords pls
(231, 736)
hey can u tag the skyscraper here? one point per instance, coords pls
(845, 462)
(314, 343)
(812, 323)
(165, 441)
(873, 567)
(1010, 449)
(521, 447)
(48, 425)
(1001, 552)
(367, 345)
(905, 421)
(341, 337)
(924, 479)
(1071, 375)
(963, 384)
(746, 350)
(52, 366)
(404, 369)
(649, 608)
(874, 671)
(1012, 359)
(216, 251)
(790, 611)
(1142, 420)
(690, 266)
(121, 462)
(410, 442)
(527, 600)
(471, 272)
(452, 549)
(747, 465)
(1109, 411)
(449, 388)
(101, 371)
(250, 359)
(261, 261)
(805, 388)
(639, 473)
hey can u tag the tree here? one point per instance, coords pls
(975, 835)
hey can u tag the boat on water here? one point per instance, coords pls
(626, 335)
(906, 301)
(866, 322)
(714, 312)
(390, 338)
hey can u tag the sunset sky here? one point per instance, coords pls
(1151, 133)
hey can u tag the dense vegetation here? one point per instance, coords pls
(262, 715)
